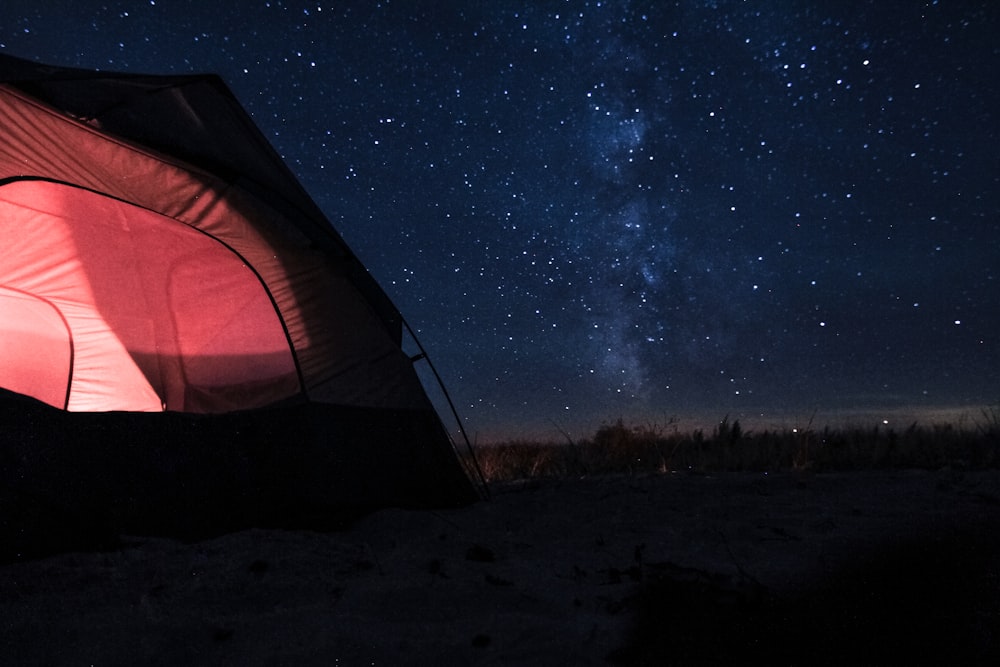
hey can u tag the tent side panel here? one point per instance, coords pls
(195, 476)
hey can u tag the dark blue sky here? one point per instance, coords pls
(600, 209)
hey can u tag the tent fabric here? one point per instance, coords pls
(36, 353)
(161, 324)
(186, 344)
(79, 480)
(344, 344)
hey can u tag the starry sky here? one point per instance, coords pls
(604, 209)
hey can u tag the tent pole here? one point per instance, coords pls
(451, 405)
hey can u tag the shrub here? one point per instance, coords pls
(617, 448)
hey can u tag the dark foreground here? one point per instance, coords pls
(854, 568)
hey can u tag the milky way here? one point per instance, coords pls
(598, 209)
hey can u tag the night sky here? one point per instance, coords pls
(593, 210)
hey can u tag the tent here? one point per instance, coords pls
(186, 343)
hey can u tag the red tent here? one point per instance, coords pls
(159, 257)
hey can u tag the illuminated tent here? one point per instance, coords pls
(163, 274)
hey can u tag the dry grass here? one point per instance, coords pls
(618, 448)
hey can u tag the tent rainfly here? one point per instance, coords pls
(186, 344)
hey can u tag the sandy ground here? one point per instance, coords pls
(855, 568)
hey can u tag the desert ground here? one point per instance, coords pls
(873, 567)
